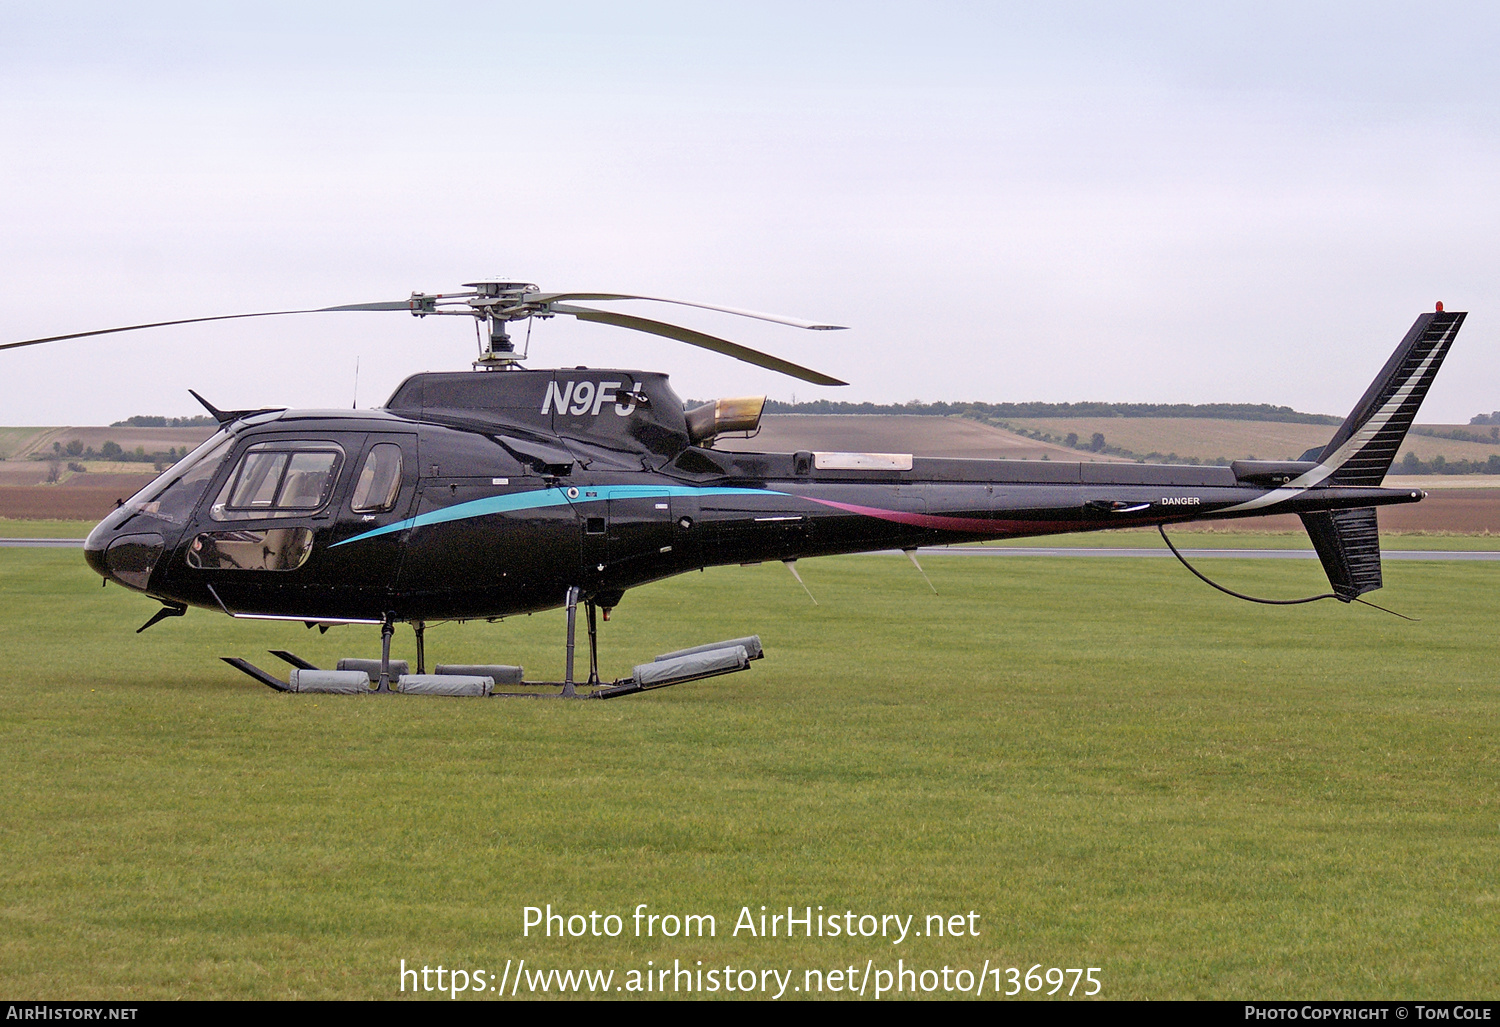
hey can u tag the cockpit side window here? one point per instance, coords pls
(280, 479)
(308, 481)
(379, 479)
(257, 481)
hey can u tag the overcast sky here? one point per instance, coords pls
(1070, 201)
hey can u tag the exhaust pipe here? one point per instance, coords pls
(722, 416)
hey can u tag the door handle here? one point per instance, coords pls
(1116, 506)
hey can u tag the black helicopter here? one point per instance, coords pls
(501, 490)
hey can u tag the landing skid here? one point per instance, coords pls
(389, 677)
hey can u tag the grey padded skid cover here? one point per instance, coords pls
(444, 684)
(751, 646)
(336, 682)
(501, 673)
(691, 666)
(372, 667)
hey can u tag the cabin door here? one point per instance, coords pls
(270, 539)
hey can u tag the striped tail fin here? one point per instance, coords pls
(1362, 450)
(1364, 447)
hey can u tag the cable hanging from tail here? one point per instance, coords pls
(1266, 602)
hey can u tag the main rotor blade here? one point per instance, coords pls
(692, 338)
(392, 305)
(548, 297)
(388, 305)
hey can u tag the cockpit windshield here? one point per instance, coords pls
(174, 496)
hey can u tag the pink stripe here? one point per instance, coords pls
(981, 525)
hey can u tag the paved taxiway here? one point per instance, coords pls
(1235, 554)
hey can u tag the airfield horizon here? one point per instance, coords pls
(1459, 506)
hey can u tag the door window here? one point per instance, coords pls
(279, 479)
(272, 549)
(379, 479)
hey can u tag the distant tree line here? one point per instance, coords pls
(1096, 444)
(1458, 434)
(1412, 464)
(1486, 418)
(988, 411)
(147, 421)
(112, 451)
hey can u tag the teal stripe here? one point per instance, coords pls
(537, 499)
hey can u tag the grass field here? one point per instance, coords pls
(1114, 766)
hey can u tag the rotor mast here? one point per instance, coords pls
(495, 303)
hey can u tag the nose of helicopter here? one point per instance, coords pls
(95, 557)
(128, 559)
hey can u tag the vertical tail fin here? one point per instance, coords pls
(1362, 450)
(1364, 447)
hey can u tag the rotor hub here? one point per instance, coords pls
(495, 293)
(497, 301)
